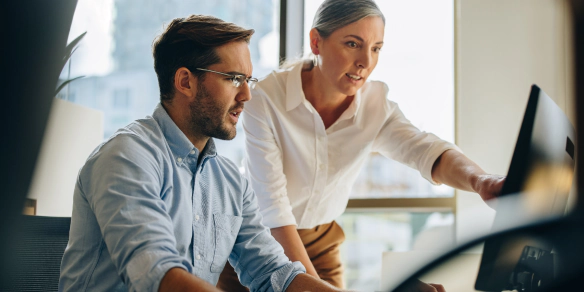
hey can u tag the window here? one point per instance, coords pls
(121, 98)
(369, 234)
(116, 54)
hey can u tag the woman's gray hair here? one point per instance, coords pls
(334, 14)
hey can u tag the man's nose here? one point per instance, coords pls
(244, 94)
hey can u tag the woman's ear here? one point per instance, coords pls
(314, 41)
(183, 82)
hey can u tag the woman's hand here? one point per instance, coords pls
(419, 286)
(489, 186)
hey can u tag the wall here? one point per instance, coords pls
(502, 47)
(72, 132)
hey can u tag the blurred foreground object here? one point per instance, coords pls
(34, 40)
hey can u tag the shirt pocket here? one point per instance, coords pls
(226, 230)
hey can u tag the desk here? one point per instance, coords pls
(456, 275)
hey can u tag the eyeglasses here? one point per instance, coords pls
(236, 79)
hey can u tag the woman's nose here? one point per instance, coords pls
(365, 60)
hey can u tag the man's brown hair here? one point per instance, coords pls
(191, 42)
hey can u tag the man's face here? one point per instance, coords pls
(218, 103)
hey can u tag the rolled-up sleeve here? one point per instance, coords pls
(264, 164)
(405, 143)
(122, 185)
(257, 257)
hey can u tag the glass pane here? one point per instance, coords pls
(417, 64)
(116, 54)
(368, 235)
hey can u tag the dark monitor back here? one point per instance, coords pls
(545, 146)
(537, 186)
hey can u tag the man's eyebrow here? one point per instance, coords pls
(361, 39)
(237, 73)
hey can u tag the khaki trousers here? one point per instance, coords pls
(322, 244)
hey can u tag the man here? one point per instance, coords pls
(155, 208)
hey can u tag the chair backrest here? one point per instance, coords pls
(41, 243)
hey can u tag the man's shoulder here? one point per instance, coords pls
(140, 139)
(146, 129)
(131, 152)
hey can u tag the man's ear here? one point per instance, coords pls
(184, 82)
(314, 41)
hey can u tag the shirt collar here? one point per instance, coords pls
(210, 149)
(178, 142)
(294, 94)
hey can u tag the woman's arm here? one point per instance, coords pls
(456, 170)
(288, 237)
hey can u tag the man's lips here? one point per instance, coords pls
(236, 112)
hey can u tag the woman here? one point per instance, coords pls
(310, 128)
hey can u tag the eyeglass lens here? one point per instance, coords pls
(238, 80)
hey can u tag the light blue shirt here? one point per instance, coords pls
(143, 204)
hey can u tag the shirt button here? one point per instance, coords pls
(322, 166)
(198, 257)
(197, 217)
(179, 160)
(193, 152)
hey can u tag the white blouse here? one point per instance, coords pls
(303, 173)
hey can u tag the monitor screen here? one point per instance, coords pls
(537, 187)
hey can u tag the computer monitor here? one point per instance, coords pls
(537, 187)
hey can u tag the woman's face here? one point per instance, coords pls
(349, 54)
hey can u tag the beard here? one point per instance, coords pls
(208, 116)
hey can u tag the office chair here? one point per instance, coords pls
(41, 243)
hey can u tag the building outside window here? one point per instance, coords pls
(116, 54)
(121, 98)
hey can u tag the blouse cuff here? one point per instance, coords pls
(278, 214)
